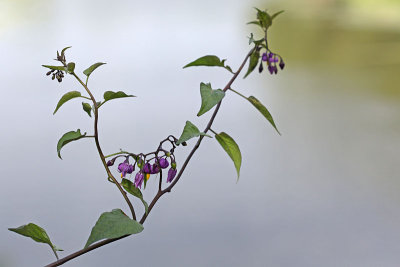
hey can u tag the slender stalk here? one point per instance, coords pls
(238, 93)
(118, 153)
(96, 138)
(213, 131)
(54, 251)
(160, 192)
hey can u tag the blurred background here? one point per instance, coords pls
(325, 193)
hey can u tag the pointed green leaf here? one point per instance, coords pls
(263, 110)
(55, 67)
(109, 95)
(253, 62)
(63, 51)
(89, 70)
(209, 97)
(68, 137)
(256, 22)
(210, 61)
(87, 108)
(71, 67)
(37, 233)
(230, 147)
(133, 190)
(66, 97)
(113, 224)
(189, 132)
(277, 13)
(264, 18)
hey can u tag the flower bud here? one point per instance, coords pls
(260, 68)
(163, 163)
(171, 174)
(281, 64)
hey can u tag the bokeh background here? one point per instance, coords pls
(325, 193)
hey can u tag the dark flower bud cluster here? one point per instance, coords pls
(271, 60)
(148, 164)
(59, 75)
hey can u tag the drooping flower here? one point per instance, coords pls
(272, 58)
(139, 179)
(171, 174)
(264, 57)
(147, 168)
(155, 168)
(272, 69)
(125, 168)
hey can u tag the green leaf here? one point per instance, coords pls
(66, 97)
(264, 111)
(87, 108)
(253, 62)
(276, 14)
(264, 18)
(109, 95)
(210, 61)
(71, 67)
(89, 70)
(133, 190)
(68, 137)
(37, 233)
(230, 147)
(55, 67)
(256, 22)
(209, 97)
(189, 132)
(63, 51)
(113, 224)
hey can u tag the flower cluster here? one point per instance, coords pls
(271, 59)
(146, 168)
(56, 74)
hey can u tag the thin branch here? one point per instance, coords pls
(96, 138)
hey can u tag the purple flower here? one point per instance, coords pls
(171, 174)
(110, 162)
(139, 179)
(155, 168)
(147, 168)
(272, 58)
(271, 69)
(125, 168)
(264, 57)
(163, 163)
